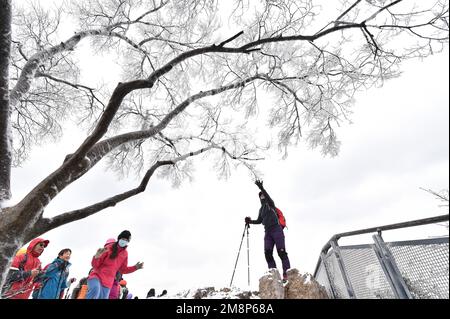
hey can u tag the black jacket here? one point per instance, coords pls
(267, 215)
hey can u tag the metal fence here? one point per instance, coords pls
(414, 269)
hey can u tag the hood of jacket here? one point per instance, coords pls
(109, 242)
(33, 243)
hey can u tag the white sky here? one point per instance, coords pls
(189, 237)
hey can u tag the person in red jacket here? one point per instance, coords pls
(24, 270)
(106, 263)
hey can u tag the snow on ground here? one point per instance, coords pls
(212, 293)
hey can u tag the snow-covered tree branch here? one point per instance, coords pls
(188, 82)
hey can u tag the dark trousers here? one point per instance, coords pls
(275, 237)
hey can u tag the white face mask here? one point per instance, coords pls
(123, 243)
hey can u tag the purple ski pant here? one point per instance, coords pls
(275, 237)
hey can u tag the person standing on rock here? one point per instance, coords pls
(274, 235)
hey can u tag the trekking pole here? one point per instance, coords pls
(68, 288)
(237, 258)
(248, 258)
(7, 294)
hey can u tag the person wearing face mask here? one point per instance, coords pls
(274, 235)
(110, 259)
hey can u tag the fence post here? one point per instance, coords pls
(379, 255)
(323, 258)
(348, 284)
(393, 273)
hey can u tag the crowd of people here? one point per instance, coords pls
(110, 263)
(104, 281)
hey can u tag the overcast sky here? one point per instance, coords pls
(189, 237)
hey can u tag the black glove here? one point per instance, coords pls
(247, 220)
(39, 277)
(259, 184)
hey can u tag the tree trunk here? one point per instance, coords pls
(11, 240)
(5, 124)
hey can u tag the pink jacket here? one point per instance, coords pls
(105, 268)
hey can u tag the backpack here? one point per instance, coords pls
(281, 219)
(14, 275)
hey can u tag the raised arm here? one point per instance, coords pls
(266, 195)
(125, 269)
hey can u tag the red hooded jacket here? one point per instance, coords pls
(105, 268)
(26, 286)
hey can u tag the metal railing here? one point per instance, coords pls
(413, 269)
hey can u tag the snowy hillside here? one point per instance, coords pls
(271, 286)
(212, 293)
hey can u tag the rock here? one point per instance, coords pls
(303, 286)
(271, 286)
(245, 295)
(202, 293)
(223, 293)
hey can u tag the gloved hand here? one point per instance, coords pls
(247, 220)
(99, 252)
(34, 272)
(139, 265)
(259, 184)
(72, 280)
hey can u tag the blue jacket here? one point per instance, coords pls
(54, 280)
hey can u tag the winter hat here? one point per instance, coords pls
(110, 241)
(125, 234)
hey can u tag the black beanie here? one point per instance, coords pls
(125, 234)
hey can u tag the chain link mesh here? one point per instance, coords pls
(365, 272)
(424, 265)
(336, 278)
(322, 278)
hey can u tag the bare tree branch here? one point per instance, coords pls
(46, 224)
(169, 53)
(381, 10)
(74, 85)
(442, 195)
(28, 72)
(104, 147)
